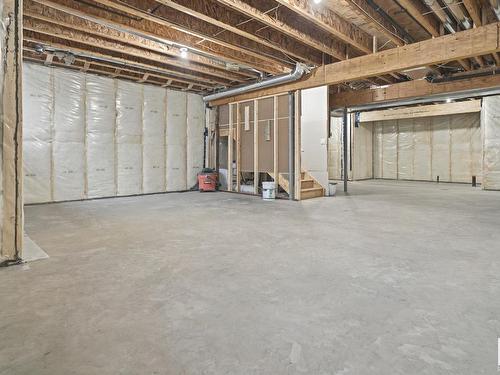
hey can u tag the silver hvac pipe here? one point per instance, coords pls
(298, 72)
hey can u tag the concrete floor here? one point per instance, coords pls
(396, 278)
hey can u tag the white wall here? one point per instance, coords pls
(314, 133)
(87, 136)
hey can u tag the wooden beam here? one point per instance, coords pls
(329, 47)
(474, 42)
(409, 90)
(101, 28)
(12, 130)
(331, 23)
(467, 106)
(166, 31)
(265, 41)
(474, 10)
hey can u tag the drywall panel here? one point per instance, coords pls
(362, 151)
(129, 102)
(390, 149)
(406, 149)
(195, 138)
(491, 136)
(100, 132)
(247, 136)
(314, 133)
(153, 139)
(283, 154)
(477, 150)
(176, 140)
(441, 148)
(38, 98)
(422, 156)
(266, 132)
(69, 135)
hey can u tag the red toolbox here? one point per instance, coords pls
(207, 180)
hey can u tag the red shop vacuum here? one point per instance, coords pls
(207, 180)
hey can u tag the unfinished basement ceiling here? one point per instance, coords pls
(200, 46)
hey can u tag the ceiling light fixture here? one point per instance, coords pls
(184, 52)
(317, 1)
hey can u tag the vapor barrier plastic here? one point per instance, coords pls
(38, 100)
(86, 136)
(491, 128)
(68, 136)
(154, 121)
(100, 131)
(195, 139)
(176, 140)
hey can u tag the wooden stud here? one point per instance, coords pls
(256, 146)
(298, 146)
(238, 148)
(276, 143)
(49, 58)
(230, 150)
(12, 138)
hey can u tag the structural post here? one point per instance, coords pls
(344, 148)
(11, 131)
(291, 145)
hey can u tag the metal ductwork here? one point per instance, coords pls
(298, 72)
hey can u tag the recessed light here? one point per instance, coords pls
(184, 52)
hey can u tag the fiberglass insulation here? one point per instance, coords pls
(87, 136)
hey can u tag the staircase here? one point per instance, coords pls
(309, 187)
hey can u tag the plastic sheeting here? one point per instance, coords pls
(195, 138)
(38, 100)
(100, 133)
(154, 121)
(491, 129)
(362, 152)
(87, 136)
(176, 140)
(425, 148)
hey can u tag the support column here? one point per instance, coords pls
(345, 148)
(11, 131)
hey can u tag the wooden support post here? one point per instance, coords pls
(256, 146)
(11, 115)
(49, 58)
(230, 150)
(276, 143)
(238, 148)
(298, 145)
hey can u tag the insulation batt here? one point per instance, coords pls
(87, 136)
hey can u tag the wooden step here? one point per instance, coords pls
(312, 193)
(307, 183)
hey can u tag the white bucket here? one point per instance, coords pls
(268, 190)
(332, 188)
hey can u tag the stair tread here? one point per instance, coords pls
(307, 180)
(312, 189)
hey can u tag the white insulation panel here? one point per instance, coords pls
(87, 136)
(491, 129)
(176, 140)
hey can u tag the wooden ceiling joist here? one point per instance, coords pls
(77, 20)
(44, 32)
(332, 23)
(215, 15)
(200, 29)
(122, 62)
(144, 23)
(474, 42)
(330, 47)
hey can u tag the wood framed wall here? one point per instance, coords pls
(260, 148)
